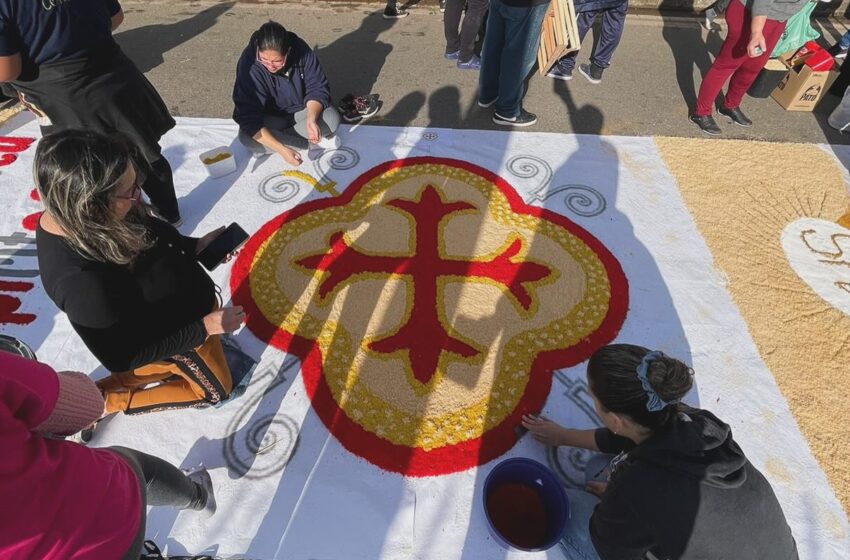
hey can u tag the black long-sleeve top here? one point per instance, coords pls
(131, 315)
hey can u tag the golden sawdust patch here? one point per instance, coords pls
(742, 195)
(465, 398)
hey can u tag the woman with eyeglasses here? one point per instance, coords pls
(673, 482)
(129, 282)
(281, 96)
(61, 60)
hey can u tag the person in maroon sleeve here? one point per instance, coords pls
(754, 28)
(64, 501)
(61, 59)
(674, 481)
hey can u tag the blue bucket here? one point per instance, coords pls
(542, 481)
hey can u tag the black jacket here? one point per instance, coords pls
(131, 315)
(688, 493)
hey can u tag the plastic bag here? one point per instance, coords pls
(798, 30)
(839, 119)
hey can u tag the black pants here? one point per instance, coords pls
(162, 484)
(613, 22)
(159, 186)
(463, 43)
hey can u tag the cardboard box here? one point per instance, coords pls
(802, 87)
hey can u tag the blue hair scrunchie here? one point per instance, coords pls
(654, 403)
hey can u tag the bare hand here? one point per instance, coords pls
(757, 45)
(224, 320)
(313, 134)
(542, 429)
(204, 242)
(291, 157)
(596, 487)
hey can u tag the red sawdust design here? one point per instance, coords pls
(340, 262)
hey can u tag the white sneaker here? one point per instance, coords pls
(200, 476)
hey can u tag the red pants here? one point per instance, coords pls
(733, 60)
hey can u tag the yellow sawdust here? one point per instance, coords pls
(10, 112)
(742, 195)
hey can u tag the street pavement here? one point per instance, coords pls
(189, 51)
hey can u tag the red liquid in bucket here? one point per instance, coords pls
(519, 514)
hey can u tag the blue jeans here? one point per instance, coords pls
(576, 543)
(613, 22)
(508, 54)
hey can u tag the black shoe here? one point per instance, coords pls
(592, 72)
(736, 116)
(837, 52)
(707, 124)
(523, 119)
(395, 12)
(443, 6)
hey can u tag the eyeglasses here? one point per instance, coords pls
(276, 65)
(135, 194)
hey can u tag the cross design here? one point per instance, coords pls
(423, 337)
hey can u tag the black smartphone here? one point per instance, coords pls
(228, 241)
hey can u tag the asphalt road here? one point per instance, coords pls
(189, 51)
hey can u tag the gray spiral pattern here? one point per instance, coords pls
(581, 199)
(268, 443)
(529, 167)
(340, 159)
(276, 188)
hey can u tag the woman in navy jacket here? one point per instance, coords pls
(281, 95)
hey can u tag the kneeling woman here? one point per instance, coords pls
(281, 95)
(679, 486)
(129, 282)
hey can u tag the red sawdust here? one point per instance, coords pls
(519, 514)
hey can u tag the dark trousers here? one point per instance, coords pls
(162, 484)
(463, 43)
(733, 63)
(613, 22)
(292, 135)
(159, 186)
(509, 54)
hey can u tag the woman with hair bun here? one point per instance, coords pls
(678, 486)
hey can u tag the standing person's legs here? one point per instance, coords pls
(584, 21)
(159, 186)
(613, 23)
(451, 25)
(731, 56)
(491, 55)
(328, 125)
(522, 32)
(475, 10)
(200, 376)
(746, 74)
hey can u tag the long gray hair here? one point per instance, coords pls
(77, 173)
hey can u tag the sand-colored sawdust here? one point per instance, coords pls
(742, 195)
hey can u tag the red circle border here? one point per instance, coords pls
(451, 458)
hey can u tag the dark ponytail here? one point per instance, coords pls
(612, 373)
(272, 36)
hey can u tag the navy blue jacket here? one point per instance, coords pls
(258, 92)
(596, 5)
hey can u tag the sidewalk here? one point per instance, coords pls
(189, 52)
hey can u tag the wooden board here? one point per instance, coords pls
(558, 34)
